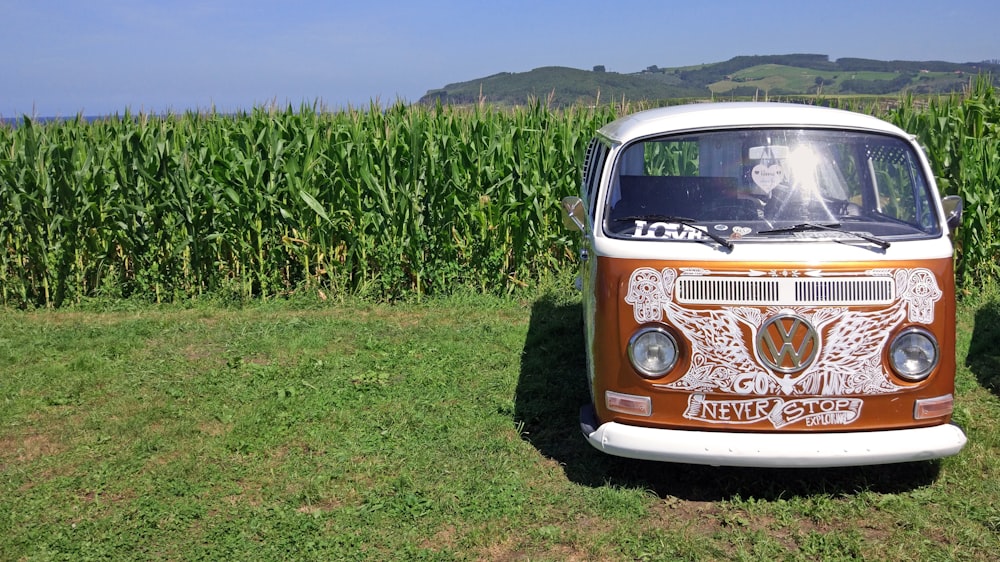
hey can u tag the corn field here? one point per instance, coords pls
(961, 134)
(382, 203)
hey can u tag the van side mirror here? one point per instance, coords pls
(952, 211)
(573, 213)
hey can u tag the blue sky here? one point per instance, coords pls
(100, 57)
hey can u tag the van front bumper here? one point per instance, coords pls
(808, 450)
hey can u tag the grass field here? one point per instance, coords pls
(445, 430)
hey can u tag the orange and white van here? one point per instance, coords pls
(766, 285)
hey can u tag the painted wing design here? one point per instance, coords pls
(723, 356)
(719, 350)
(850, 361)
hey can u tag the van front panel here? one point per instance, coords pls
(775, 346)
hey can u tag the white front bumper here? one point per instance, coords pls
(776, 449)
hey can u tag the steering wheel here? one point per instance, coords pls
(745, 207)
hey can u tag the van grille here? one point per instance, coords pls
(785, 291)
(845, 291)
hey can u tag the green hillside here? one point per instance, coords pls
(563, 86)
(739, 77)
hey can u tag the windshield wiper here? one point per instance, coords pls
(689, 223)
(833, 226)
(801, 227)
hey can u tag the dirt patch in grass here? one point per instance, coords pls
(512, 550)
(699, 517)
(320, 507)
(214, 428)
(443, 539)
(27, 448)
(199, 352)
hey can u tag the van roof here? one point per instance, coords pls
(722, 115)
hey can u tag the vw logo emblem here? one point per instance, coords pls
(787, 343)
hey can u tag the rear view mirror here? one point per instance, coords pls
(573, 214)
(768, 152)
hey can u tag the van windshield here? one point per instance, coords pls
(767, 183)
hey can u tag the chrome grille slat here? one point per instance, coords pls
(785, 291)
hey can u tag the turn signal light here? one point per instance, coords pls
(933, 407)
(628, 403)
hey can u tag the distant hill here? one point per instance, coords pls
(739, 77)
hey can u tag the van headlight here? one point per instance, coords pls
(913, 354)
(652, 351)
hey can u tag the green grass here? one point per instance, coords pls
(437, 431)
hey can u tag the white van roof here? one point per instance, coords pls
(700, 116)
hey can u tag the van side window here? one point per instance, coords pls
(594, 164)
(899, 194)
